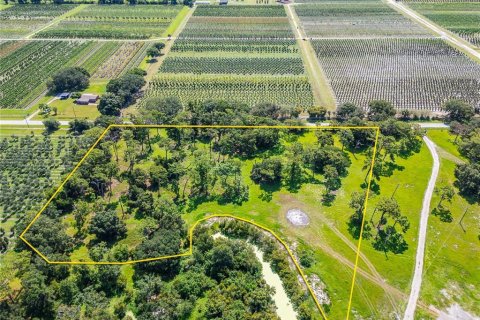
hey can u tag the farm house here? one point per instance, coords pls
(87, 98)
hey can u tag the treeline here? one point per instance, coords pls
(223, 273)
(466, 128)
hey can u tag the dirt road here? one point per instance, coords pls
(422, 233)
(453, 40)
(322, 91)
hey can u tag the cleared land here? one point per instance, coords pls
(462, 18)
(117, 22)
(413, 74)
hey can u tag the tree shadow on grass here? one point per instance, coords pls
(374, 186)
(443, 213)
(328, 198)
(193, 203)
(268, 189)
(389, 168)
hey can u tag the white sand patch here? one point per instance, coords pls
(319, 288)
(218, 235)
(297, 217)
(455, 312)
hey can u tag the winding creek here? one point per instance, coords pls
(284, 307)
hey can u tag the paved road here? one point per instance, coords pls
(24, 122)
(436, 29)
(28, 122)
(433, 125)
(422, 234)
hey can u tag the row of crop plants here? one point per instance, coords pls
(410, 73)
(462, 18)
(237, 65)
(284, 90)
(103, 51)
(7, 47)
(114, 22)
(355, 19)
(122, 57)
(20, 20)
(247, 46)
(24, 72)
(245, 53)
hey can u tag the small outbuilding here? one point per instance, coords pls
(64, 95)
(87, 98)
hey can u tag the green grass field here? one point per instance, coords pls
(445, 140)
(6, 114)
(451, 273)
(68, 110)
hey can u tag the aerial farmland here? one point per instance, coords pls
(240, 159)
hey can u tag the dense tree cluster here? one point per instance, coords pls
(69, 79)
(225, 272)
(464, 125)
(121, 92)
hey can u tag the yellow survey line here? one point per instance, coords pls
(190, 250)
(363, 223)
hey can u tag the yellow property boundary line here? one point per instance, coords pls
(377, 131)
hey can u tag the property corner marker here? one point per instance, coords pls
(190, 250)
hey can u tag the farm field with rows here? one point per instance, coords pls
(18, 21)
(411, 73)
(462, 18)
(24, 72)
(241, 46)
(285, 91)
(119, 57)
(355, 19)
(243, 56)
(7, 47)
(245, 22)
(29, 166)
(115, 22)
(236, 65)
(99, 54)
